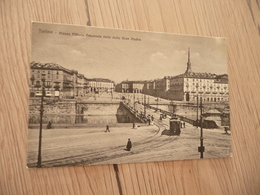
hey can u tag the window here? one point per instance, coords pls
(38, 84)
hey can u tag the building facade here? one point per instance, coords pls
(130, 87)
(58, 81)
(99, 85)
(63, 83)
(189, 86)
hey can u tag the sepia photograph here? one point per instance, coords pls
(109, 96)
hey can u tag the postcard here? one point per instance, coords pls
(108, 96)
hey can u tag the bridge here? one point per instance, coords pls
(139, 109)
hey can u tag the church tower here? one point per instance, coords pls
(188, 63)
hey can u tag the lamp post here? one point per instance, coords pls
(197, 111)
(39, 162)
(201, 148)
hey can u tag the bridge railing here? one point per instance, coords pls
(130, 109)
(183, 118)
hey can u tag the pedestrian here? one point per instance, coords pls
(129, 145)
(149, 121)
(107, 129)
(49, 125)
(133, 125)
(183, 124)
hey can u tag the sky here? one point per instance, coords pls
(106, 53)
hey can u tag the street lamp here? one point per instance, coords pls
(201, 148)
(39, 162)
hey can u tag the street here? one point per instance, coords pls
(92, 146)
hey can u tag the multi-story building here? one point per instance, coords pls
(63, 83)
(99, 85)
(58, 80)
(190, 85)
(130, 87)
(157, 87)
(80, 85)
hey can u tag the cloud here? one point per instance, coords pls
(158, 58)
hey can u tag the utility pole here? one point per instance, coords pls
(201, 148)
(197, 111)
(144, 106)
(39, 162)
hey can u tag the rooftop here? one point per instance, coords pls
(49, 66)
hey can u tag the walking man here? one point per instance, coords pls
(129, 145)
(107, 129)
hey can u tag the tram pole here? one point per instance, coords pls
(197, 111)
(201, 148)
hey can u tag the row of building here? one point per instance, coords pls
(64, 83)
(184, 87)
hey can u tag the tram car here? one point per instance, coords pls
(175, 126)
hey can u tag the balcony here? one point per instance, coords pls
(67, 81)
(69, 85)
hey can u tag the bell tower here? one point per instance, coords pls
(188, 63)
